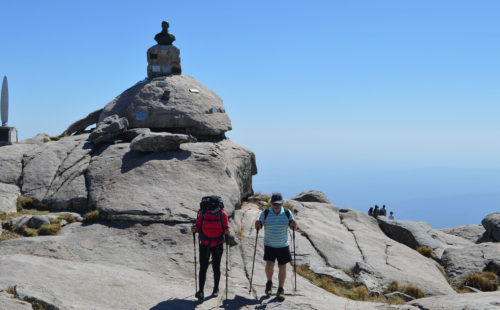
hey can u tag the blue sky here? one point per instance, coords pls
(387, 102)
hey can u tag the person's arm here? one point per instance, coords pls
(197, 226)
(258, 223)
(225, 222)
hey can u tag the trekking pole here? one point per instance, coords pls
(227, 258)
(253, 262)
(195, 272)
(294, 261)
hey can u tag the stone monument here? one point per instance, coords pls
(8, 135)
(163, 58)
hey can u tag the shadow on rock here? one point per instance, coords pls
(135, 159)
(177, 303)
(240, 301)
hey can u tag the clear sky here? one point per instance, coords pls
(373, 102)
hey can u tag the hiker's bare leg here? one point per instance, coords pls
(269, 270)
(281, 274)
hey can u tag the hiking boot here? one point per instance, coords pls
(215, 293)
(280, 294)
(269, 288)
(199, 295)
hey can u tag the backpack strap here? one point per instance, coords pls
(287, 212)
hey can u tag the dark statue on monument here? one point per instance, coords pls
(164, 38)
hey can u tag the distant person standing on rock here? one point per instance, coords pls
(383, 211)
(391, 215)
(276, 220)
(213, 227)
(376, 211)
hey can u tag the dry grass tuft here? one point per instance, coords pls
(24, 202)
(413, 291)
(425, 251)
(3, 216)
(392, 287)
(11, 290)
(51, 229)
(92, 216)
(28, 232)
(485, 281)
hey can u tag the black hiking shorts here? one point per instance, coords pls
(281, 254)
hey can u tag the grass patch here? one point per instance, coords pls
(425, 251)
(486, 281)
(24, 202)
(92, 216)
(28, 232)
(48, 230)
(339, 288)
(11, 290)
(3, 216)
(413, 291)
(392, 287)
(8, 235)
(66, 217)
(303, 233)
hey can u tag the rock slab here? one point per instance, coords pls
(159, 142)
(492, 225)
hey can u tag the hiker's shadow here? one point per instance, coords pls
(239, 301)
(177, 303)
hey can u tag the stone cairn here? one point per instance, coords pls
(163, 58)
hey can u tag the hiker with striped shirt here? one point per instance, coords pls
(276, 221)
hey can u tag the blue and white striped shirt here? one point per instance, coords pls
(276, 228)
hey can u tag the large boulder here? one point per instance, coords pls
(410, 233)
(459, 262)
(8, 197)
(168, 186)
(55, 173)
(470, 232)
(311, 196)
(492, 225)
(385, 260)
(176, 103)
(159, 141)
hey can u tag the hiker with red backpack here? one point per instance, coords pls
(276, 221)
(212, 225)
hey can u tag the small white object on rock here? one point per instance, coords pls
(194, 90)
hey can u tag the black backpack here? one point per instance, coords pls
(287, 212)
(206, 204)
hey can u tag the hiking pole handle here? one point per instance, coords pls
(253, 262)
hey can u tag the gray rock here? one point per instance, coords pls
(476, 301)
(295, 205)
(40, 138)
(85, 122)
(159, 142)
(445, 241)
(408, 233)
(18, 222)
(311, 196)
(336, 274)
(8, 197)
(168, 186)
(11, 162)
(459, 262)
(384, 260)
(37, 221)
(8, 302)
(108, 129)
(167, 104)
(130, 134)
(492, 225)
(400, 295)
(55, 173)
(470, 232)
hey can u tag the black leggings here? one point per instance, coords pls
(205, 251)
